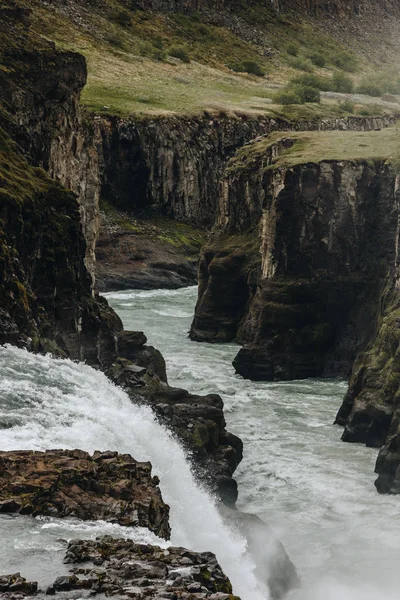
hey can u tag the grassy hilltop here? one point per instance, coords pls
(250, 60)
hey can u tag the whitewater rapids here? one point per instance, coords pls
(316, 492)
(50, 403)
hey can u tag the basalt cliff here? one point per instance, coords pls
(302, 270)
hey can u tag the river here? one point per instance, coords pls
(315, 492)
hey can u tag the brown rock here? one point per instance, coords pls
(115, 566)
(110, 486)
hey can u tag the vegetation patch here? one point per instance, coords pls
(318, 146)
(150, 63)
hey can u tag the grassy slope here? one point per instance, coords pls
(126, 75)
(317, 146)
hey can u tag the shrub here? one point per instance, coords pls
(292, 49)
(179, 52)
(122, 17)
(342, 83)
(370, 111)
(248, 66)
(344, 60)
(153, 52)
(311, 80)
(370, 87)
(346, 106)
(387, 81)
(318, 59)
(115, 40)
(287, 97)
(307, 93)
(302, 64)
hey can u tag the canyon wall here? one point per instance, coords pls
(47, 303)
(40, 89)
(297, 264)
(303, 269)
(172, 165)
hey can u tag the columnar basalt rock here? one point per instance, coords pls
(172, 165)
(302, 257)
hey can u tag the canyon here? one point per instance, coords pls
(297, 224)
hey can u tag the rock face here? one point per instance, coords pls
(107, 485)
(299, 279)
(47, 299)
(14, 585)
(46, 296)
(141, 254)
(121, 567)
(198, 421)
(370, 410)
(173, 164)
(40, 89)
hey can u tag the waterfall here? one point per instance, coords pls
(50, 403)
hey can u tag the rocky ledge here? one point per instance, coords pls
(198, 421)
(139, 571)
(118, 567)
(107, 485)
(47, 303)
(15, 586)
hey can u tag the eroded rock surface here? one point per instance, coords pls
(198, 421)
(298, 263)
(107, 485)
(14, 586)
(121, 567)
(47, 302)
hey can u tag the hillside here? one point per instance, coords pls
(185, 57)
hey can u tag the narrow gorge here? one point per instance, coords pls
(146, 147)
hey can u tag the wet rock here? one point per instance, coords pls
(14, 586)
(292, 272)
(129, 570)
(107, 485)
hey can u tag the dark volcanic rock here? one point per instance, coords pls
(14, 586)
(47, 302)
(198, 421)
(129, 570)
(297, 272)
(144, 260)
(109, 486)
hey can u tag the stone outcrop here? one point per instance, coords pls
(198, 421)
(370, 410)
(298, 280)
(118, 567)
(121, 567)
(14, 586)
(142, 254)
(71, 483)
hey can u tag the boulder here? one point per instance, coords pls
(72, 483)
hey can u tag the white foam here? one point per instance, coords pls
(62, 404)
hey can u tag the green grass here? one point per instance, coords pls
(318, 146)
(131, 69)
(181, 236)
